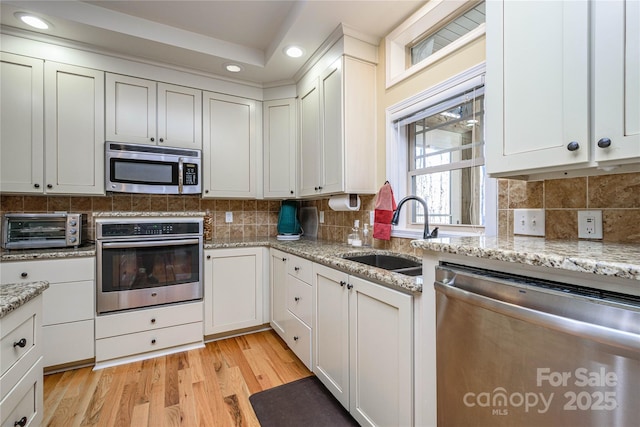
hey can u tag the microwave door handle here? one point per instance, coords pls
(180, 168)
(139, 244)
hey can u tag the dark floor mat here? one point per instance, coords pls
(304, 402)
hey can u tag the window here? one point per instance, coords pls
(439, 28)
(435, 150)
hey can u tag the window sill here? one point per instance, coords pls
(417, 235)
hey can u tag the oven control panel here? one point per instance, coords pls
(150, 229)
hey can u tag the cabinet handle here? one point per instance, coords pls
(49, 186)
(320, 188)
(342, 283)
(284, 259)
(296, 338)
(349, 286)
(36, 185)
(154, 294)
(291, 191)
(296, 268)
(161, 139)
(22, 343)
(206, 191)
(21, 422)
(153, 341)
(604, 142)
(152, 139)
(316, 188)
(208, 256)
(573, 146)
(296, 299)
(24, 274)
(153, 320)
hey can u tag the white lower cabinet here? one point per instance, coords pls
(68, 305)
(278, 285)
(21, 392)
(233, 291)
(140, 334)
(363, 348)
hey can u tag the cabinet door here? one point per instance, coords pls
(309, 152)
(332, 137)
(229, 146)
(279, 148)
(617, 79)
(21, 124)
(130, 109)
(537, 78)
(331, 331)
(233, 289)
(74, 103)
(278, 284)
(381, 371)
(179, 116)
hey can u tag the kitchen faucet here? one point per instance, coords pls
(396, 216)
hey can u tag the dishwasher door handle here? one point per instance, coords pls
(600, 334)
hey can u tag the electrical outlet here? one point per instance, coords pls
(321, 219)
(228, 217)
(372, 217)
(590, 224)
(529, 222)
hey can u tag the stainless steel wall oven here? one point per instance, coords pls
(145, 262)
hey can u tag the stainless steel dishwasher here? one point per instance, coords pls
(519, 351)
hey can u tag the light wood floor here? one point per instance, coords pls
(204, 387)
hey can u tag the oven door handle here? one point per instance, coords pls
(590, 331)
(146, 244)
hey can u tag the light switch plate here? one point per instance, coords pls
(528, 222)
(321, 219)
(590, 224)
(228, 217)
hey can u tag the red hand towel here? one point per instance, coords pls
(385, 205)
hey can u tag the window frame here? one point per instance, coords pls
(428, 18)
(397, 153)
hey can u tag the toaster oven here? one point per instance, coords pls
(43, 230)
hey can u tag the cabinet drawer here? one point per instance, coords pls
(52, 271)
(299, 299)
(67, 342)
(147, 341)
(111, 325)
(298, 338)
(25, 400)
(300, 268)
(68, 302)
(18, 339)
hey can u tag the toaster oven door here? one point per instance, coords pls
(34, 231)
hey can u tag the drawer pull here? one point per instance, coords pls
(153, 320)
(296, 299)
(296, 268)
(284, 259)
(22, 343)
(153, 341)
(296, 338)
(154, 294)
(342, 283)
(349, 286)
(21, 422)
(24, 274)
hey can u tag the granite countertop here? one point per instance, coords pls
(331, 254)
(14, 295)
(606, 259)
(87, 250)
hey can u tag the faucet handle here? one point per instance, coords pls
(434, 233)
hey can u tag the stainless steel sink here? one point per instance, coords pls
(389, 262)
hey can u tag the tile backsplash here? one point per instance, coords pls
(618, 196)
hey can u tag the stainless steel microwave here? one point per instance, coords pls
(138, 168)
(43, 230)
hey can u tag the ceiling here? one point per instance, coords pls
(206, 35)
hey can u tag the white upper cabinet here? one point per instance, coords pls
(230, 146)
(145, 112)
(279, 135)
(337, 130)
(21, 124)
(564, 96)
(537, 85)
(616, 94)
(74, 129)
(52, 127)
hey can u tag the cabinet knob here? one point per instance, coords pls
(573, 146)
(206, 191)
(49, 186)
(296, 299)
(36, 185)
(296, 268)
(349, 286)
(153, 341)
(284, 259)
(153, 320)
(342, 283)
(154, 294)
(320, 188)
(208, 256)
(21, 422)
(152, 139)
(22, 343)
(296, 338)
(604, 142)
(291, 191)
(316, 188)
(161, 139)
(24, 274)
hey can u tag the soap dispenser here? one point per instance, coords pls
(357, 239)
(366, 240)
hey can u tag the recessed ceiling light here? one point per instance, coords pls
(294, 51)
(32, 21)
(234, 68)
